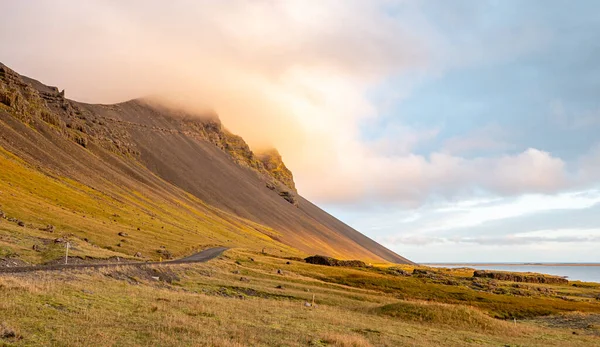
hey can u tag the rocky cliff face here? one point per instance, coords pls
(32, 101)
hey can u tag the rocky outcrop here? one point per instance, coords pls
(328, 261)
(520, 277)
(273, 163)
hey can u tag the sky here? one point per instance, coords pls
(448, 131)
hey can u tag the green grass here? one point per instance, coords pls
(503, 306)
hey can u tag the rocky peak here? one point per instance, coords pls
(273, 163)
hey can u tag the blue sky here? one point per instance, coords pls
(512, 96)
(445, 130)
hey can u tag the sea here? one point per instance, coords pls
(572, 272)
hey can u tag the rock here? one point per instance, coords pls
(7, 332)
(156, 278)
(122, 234)
(289, 197)
(35, 248)
(287, 263)
(2, 214)
(422, 272)
(166, 254)
(138, 229)
(20, 223)
(236, 272)
(82, 141)
(138, 255)
(279, 287)
(49, 228)
(279, 272)
(59, 240)
(119, 244)
(398, 272)
(251, 259)
(244, 279)
(307, 304)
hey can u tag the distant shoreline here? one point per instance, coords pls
(510, 264)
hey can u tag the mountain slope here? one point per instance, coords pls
(165, 176)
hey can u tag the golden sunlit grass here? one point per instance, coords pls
(181, 225)
(234, 301)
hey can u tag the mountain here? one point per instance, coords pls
(164, 178)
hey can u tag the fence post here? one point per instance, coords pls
(67, 253)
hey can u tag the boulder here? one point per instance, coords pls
(289, 197)
(138, 255)
(122, 234)
(164, 253)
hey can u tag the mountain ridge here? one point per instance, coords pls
(138, 146)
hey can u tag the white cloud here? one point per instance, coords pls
(293, 74)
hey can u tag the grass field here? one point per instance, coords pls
(241, 299)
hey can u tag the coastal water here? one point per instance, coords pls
(586, 273)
